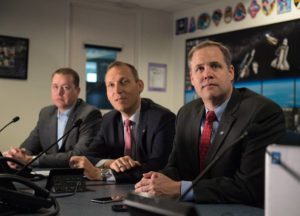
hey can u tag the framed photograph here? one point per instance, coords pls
(182, 26)
(157, 77)
(13, 57)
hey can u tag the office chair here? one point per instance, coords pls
(291, 138)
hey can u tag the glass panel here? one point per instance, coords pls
(91, 72)
(97, 60)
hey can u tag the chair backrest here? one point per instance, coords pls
(290, 138)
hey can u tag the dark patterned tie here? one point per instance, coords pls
(205, 136)
(127, 149)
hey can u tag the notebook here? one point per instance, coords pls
(282, 180)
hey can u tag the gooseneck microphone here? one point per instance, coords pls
(15, 119)
(76, 124)
(252, 130)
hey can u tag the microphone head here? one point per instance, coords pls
(15, 119)
(77, 123)
(254, 129)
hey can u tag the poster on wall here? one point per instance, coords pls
(157, 77)
(13, 57)
(182, 26)
(265, 58)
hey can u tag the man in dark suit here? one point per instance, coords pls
(238, 175)
(56, 119)
(152, 131)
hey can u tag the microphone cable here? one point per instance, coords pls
(10, 211)
(56, 207)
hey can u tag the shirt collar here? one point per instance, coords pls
(219, 111)
(135, 117)
(67, 112)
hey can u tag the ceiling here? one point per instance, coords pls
(165, 5)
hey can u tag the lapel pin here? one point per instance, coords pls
(222, 132)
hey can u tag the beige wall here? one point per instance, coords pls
(143, 35)
(43, 22)
(57, 30)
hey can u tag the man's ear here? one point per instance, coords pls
(140, 86)
(191, 77)
(231, 72)
(78, 91)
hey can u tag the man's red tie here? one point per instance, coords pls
(127, 150)
(205, 136)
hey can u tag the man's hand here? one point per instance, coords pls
(121, 164)
(19, 155)
(159, 185)
(90, 171)
(10, 164)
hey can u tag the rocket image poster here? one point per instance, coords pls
(265, 58)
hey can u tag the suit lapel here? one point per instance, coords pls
(52, 129)
(196, 134)
(70, 122)
(121, 136)
(141, 131)
(69, 125)
(227, 120)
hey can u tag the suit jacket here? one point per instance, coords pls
(76, 143)
(155, 135)
(238, 175)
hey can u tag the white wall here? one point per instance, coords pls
(57, 30)
(248, 22)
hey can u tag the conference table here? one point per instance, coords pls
(80, 204)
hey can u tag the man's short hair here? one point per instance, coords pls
(132, 68)
(207, 43)
(69, 71)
